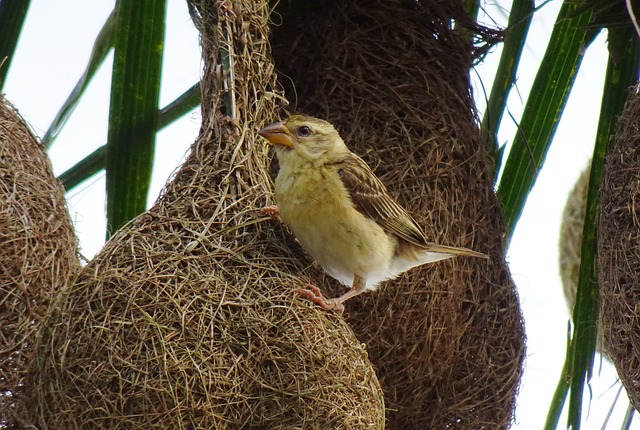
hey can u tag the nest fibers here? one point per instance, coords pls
(619, 249)
(187, 319)
(447, 339)
(570, 245)
(38, 256)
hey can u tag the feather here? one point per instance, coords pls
(370, 197)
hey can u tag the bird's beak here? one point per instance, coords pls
(277, 134)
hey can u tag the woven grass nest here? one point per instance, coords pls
(447, 340)
(38, 256)
(618, 250)
(570, 244)
(188, 319)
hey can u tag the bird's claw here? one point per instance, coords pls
(314, 294)
(271, 211)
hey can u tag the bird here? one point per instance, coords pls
(341, 213)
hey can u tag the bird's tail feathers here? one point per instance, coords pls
(413, 256)
(417, 258)
(451, 251)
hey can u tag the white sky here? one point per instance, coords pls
(52, 54)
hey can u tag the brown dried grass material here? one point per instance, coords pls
(447, 340)
(619, 249)
(187, 319)
(38, 256)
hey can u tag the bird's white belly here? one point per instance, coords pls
(343, 241)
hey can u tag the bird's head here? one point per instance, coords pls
(306, 138)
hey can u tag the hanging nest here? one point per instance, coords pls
(188, 319)
(570, 245)
(447, 340)
(38, 256)
(619, 250)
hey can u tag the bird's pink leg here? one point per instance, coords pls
(314, 294)
(271, 211)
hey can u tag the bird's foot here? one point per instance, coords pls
(314, 294)
(271, 211)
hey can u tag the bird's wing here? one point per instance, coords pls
(370, 197)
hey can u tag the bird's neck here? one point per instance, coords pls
(296, 160)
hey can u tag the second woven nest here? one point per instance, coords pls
(619, 249)
(447, 339)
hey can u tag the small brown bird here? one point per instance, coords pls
(341, 213)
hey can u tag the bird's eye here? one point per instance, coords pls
(304, 131)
